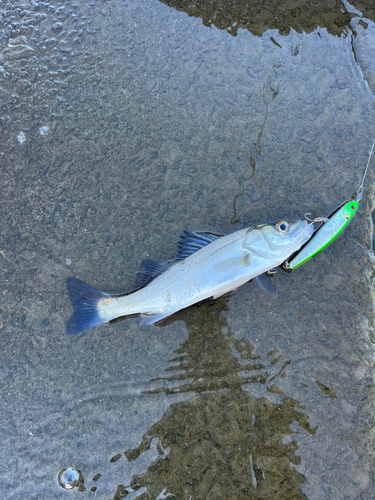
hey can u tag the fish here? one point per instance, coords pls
(208, 265)
(325, 234)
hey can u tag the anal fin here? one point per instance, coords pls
(153, 318)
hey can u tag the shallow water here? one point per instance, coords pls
(124, 124)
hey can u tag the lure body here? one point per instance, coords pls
(326, 234)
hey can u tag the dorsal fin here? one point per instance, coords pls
(149, 270)
(191, 242)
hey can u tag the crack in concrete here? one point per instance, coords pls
(255, 148)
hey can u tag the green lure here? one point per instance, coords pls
(326, 234)
(331, 228)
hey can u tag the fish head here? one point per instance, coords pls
(287, 238)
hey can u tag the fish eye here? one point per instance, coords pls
(282, 226)
(353, 207)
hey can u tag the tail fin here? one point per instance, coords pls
(84, 300)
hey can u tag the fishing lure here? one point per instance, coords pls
(325, 234)
(331, 227)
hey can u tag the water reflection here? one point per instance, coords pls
(223, 442)
(70, 478)
(257, 16)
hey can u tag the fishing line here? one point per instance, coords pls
(360, 190)
(358, 195)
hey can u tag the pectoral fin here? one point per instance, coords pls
(232, 265)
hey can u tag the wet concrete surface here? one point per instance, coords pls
(124, 124)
